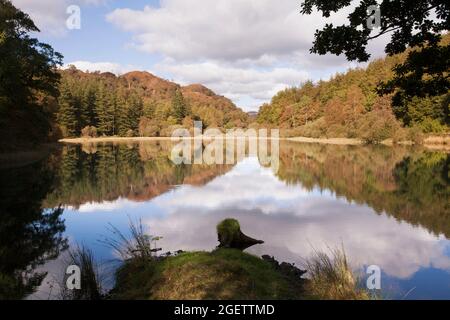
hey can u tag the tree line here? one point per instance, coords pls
(97, 106)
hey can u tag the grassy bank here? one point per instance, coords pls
(220, 274)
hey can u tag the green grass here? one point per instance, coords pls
(220, 274)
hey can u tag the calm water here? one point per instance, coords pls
(386, 206)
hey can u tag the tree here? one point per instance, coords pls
(88, 102)
(67, 117)
(179, 107)
(122, 116)
(105, 110)
(135, 112)
(130, 110)
(27, 73)
(424, 73)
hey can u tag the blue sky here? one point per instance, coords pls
(246, 50)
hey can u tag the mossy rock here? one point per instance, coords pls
(230, 236)
(221, 274)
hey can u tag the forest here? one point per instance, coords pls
(349, 106)
(137, 104)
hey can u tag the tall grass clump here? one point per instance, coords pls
(331, 277)
(138, 245)
(91, 283)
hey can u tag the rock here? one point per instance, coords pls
(288, 269)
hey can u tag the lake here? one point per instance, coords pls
(385, 206)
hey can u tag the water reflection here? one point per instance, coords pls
(293, 221)
(29, 235)
(387, 206)
(107, 172)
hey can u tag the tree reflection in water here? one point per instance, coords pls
(29, 234)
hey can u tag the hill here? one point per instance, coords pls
(137, 104)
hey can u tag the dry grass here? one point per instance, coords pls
(138, 245)
(438, 140)
(331, 277)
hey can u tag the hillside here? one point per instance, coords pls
(348, 106)
(137, 104)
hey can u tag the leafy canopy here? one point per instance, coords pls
(411, 23)
(27, 66)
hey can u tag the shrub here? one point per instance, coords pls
(429, 125)
(129, 133)
(376, 126)
(89, 131)
(399, 135)
(314, 129)
(415, 134)
(148, 128)
(167, 131)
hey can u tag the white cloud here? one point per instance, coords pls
(246, 50)
(254, 84)
(118, 204)
(221, 29)
(50, 15)
(115, 68)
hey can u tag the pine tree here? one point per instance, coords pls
(66, 116)
(122, 113)
(179, 107)
(135, 111)
(88, 106)
(105, 110)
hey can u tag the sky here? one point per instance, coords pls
(246, 50)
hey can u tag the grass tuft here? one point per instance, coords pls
(91, 287)
(138, 245)
(331, 277)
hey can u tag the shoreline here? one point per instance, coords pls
(111, 139)
(432, 142)
(335, 141)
